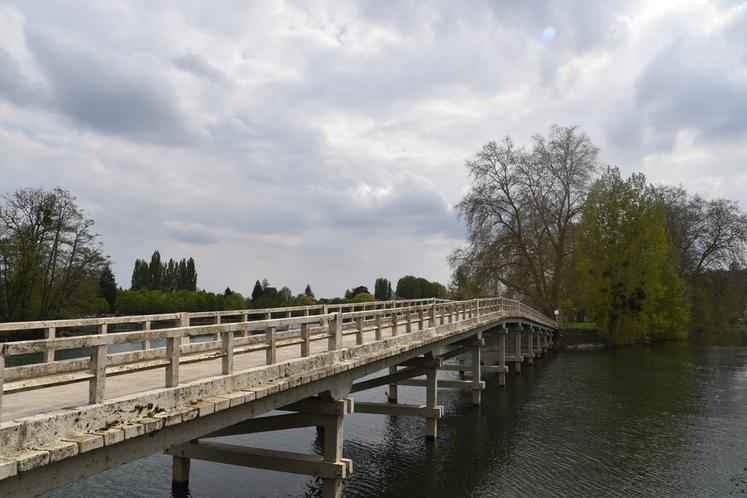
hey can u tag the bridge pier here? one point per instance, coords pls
(502, 356)
(517, 351)
(477, 385)
(392, 394)
(431, 401)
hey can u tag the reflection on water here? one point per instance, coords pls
(667, 420)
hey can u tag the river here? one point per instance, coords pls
(663, 420)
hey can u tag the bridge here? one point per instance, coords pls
(82, 396)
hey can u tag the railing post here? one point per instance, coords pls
(271, 348)
(227, 347)
(305, 345)
(97, 368)
(173, 350)
(408, 317)
(359, 330)
(395, 322)
(421, 318)
(146, 342)
(335, 330)
(477, 308)
(245, 318)
(49, 333)
(433, 313)
(377, 325)
(325, 311)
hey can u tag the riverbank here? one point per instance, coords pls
(580, 339)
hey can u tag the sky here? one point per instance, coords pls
(325, 142)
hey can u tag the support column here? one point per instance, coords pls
(476, 375)
(431, 401)
(502, 357)
(530, 357)
(180, 475)
(333, 437)
(517, 356)
(392, 396)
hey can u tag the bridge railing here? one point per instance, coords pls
(182, 342)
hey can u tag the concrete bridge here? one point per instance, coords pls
(66, 416)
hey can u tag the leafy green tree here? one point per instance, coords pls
(410, 287)
(191, 280)
(140, 275)
(305, 300)
(155, 272)
(626, 262)
(108, 288)
(181, 275)
(363, 297)
(382, 289)
(233, 301)
(170, 276)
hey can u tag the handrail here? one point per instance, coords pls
(331, 322)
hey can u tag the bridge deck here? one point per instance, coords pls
(54, 428)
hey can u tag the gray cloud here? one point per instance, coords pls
(325, 144)
(110, 94)
(199, 66)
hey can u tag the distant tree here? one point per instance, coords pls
(233, 301)
(155, 272)
(626, 262)
(191, 275)
(286, 297)
(382, 289)
(181, 275)
(227, 292)
(708, 235)
(308, 291)
(363, 297)
(170, 276)
(410, 287)
(108, 287)
(305, 300)
(257, 291)
(140, 275)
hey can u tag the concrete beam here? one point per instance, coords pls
(261, 458)
(396, 409)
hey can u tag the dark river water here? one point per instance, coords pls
(665, 420)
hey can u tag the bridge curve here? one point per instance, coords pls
(67, 418)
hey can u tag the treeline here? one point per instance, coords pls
(171, 276)
(52, 265)
(643, 261)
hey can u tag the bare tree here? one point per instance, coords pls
(49, 255)
(520, 212)
(708, 235)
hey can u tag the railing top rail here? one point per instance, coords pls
(357, 309)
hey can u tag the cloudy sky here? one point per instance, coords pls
(324, 142)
